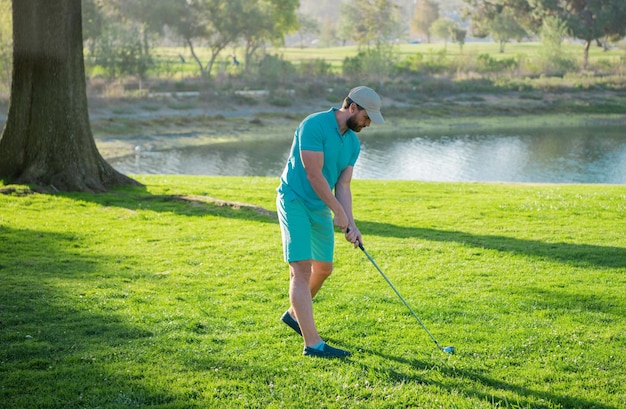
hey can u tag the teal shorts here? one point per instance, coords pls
(307, 234)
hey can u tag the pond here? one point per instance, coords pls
(565, 155)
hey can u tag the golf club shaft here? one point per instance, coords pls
(400, 296)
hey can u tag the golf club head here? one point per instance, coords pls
(448, 350)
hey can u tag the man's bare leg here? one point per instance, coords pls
(301, 300)
(320, 272)
(306, 279)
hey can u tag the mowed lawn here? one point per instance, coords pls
(168, 58)
(169, 296)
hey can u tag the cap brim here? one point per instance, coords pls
(375, 116)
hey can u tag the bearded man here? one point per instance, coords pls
(314, 186)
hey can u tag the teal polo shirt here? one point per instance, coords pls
(318, 132)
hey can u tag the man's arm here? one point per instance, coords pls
(344, 196)
(313, 163)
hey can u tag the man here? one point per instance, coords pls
(322, 158)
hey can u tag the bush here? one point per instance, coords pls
(280, 101)
(321, 88)
(486, 63)
(377, 64)
(352, 67)
(476, 85)
(122, 50)
(555, 60)
(431, 63)
(315, 68)
(274, 71)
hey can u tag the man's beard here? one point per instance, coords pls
(353, 125)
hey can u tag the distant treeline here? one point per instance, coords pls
(235, 42)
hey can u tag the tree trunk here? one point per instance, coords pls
(47, 139)
(195, 57)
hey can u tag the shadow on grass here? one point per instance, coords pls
(62, 344)
(579, 255)
(137, 198)
(526, 397)
(577, 302)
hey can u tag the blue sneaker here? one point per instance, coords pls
(291, 322)
(326, 352)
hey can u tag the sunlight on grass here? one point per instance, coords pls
(170, 297)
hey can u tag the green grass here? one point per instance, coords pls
(139, 298)
(336, 55)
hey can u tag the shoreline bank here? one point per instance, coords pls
(120, 127)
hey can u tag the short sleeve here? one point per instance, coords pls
(355, 153)
(312, 136)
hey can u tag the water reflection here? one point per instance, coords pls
(582, 155)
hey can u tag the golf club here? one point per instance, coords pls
(448, 349)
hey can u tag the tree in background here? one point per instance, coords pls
(458, 36)
(116, 42)
(554, 59)
(306, 26)
(328, 36)
(220, 23)
(216, 24)
(6, 41)
(263, 21)
(93, 19)
(504, 27)
(122, 49)
(321, 9)
(191, 20)
(443, 29)
(375, 24)
(371, 21)
(589, 20)
(47, 139)
(483, 12)
(426, 13)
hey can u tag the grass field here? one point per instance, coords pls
(160, 297)
(336, 55)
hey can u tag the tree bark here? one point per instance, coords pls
(47, 139)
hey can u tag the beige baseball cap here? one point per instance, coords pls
(369, 100)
